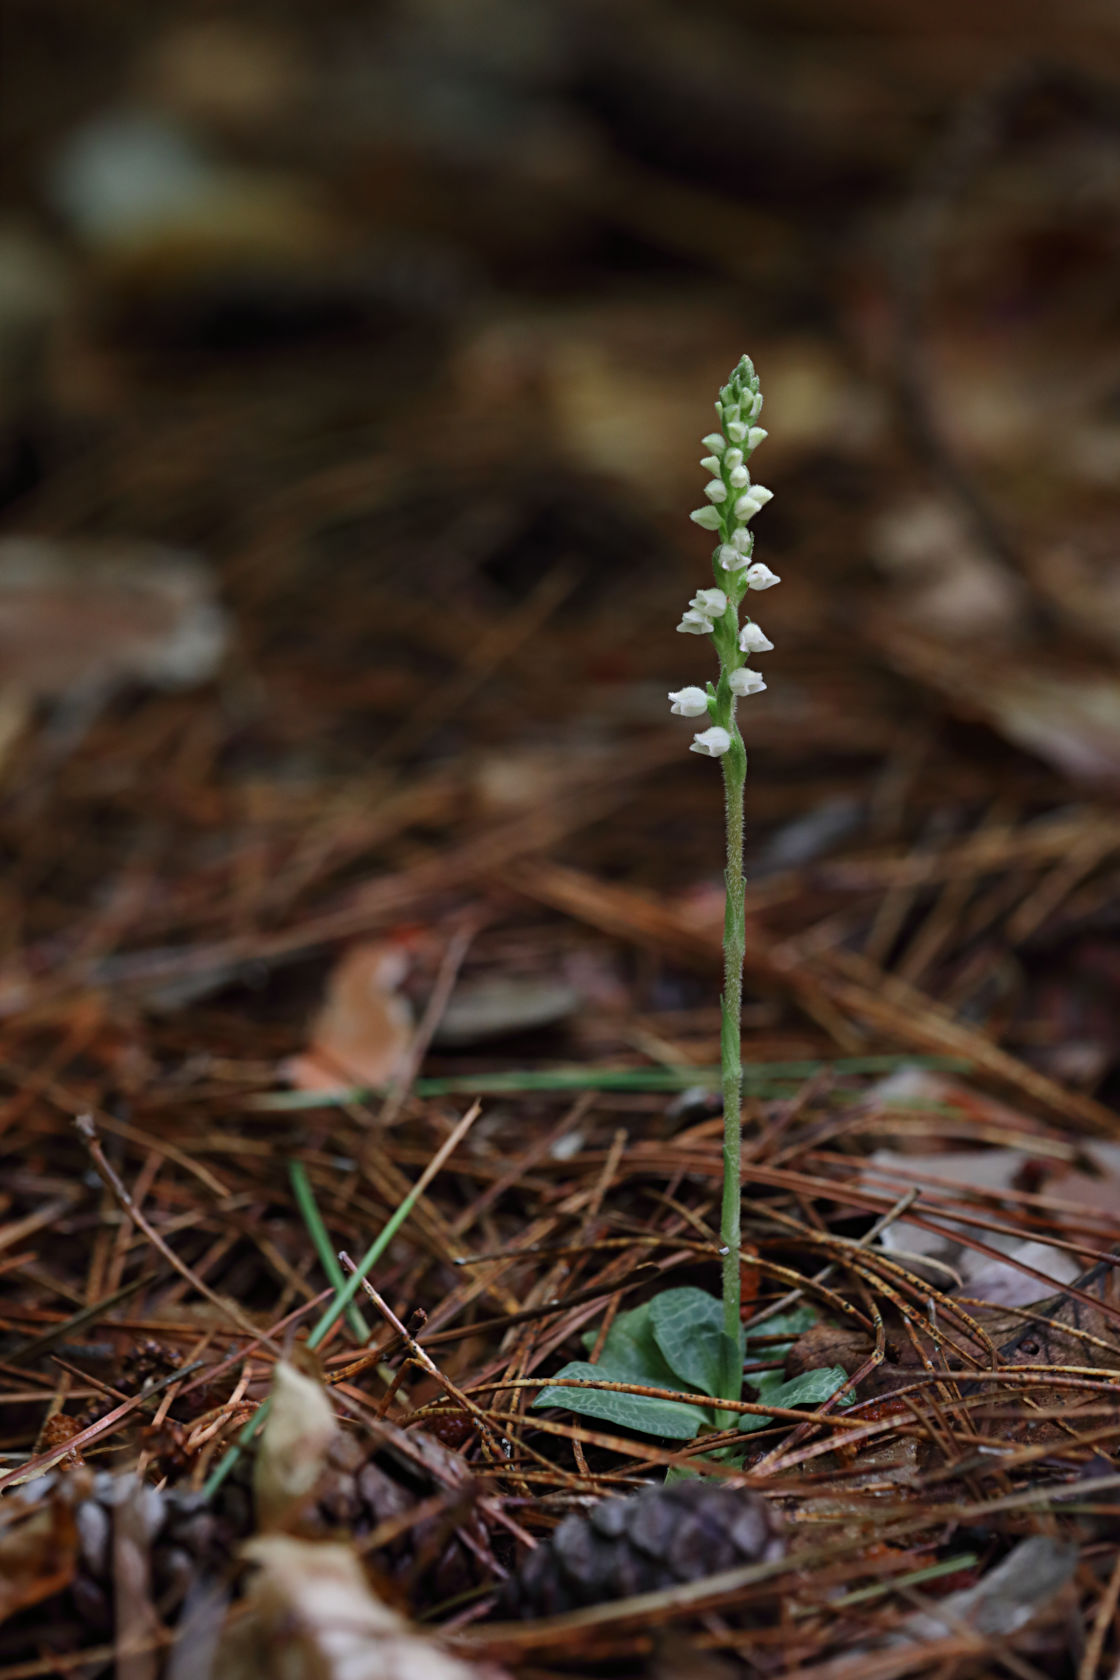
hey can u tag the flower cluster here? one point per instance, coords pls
(732, 502)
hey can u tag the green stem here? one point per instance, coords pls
(734, 948)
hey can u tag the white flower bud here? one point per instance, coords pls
(712, 743)
(753, 639)
(745, 681)
(730, 411)
(730, 558)
(711, 602)
(733, 459)
(740, 478)
(756, 497)
(755, 436)
(761, 577)
(756, 405)
(743, 540)
(735, 430)
(710, 463)
(705, 516)
(689, 702)
(695, 624)
(716, 491)
(715, 441)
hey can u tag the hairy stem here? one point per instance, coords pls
(734, 944)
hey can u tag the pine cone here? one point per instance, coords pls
(363, 1490)
(186, 1538)
(653, 1539)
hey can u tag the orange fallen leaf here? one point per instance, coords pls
(362, 1033)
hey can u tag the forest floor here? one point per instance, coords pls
(358, 888)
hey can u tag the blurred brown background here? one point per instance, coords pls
(354, 361)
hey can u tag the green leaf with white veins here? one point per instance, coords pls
(811, 1389)
(688, 1328)
(630, 1353)
(672, 1419)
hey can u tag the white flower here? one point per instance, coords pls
(705, 516)
(740, 478)
(710, 463)
(730, 558)
(755, 436)
(745, 681)
(716, 491)
(711, 602)
(743, 540)
(712, 743)
(695, 624)
(753, 639)
(735, 430)
(761, 577)
(756, 497)
(689, 702)
(715, 441)
(733, 459)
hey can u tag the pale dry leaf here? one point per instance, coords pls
(292, 1455)
(1001, 1283)
(308, 1614)
(1067, 716)
(1070, 720)
(81, 619)
(617, 383)
(493, 1006)
(814, 402)
(136, 1518)
(946, 582)
(141, 192)
(362, 1034)
(1026, 1585)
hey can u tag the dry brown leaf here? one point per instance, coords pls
(294, 1445)
(309, 1614)
(362, 1034)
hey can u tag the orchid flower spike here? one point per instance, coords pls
(731, 502)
